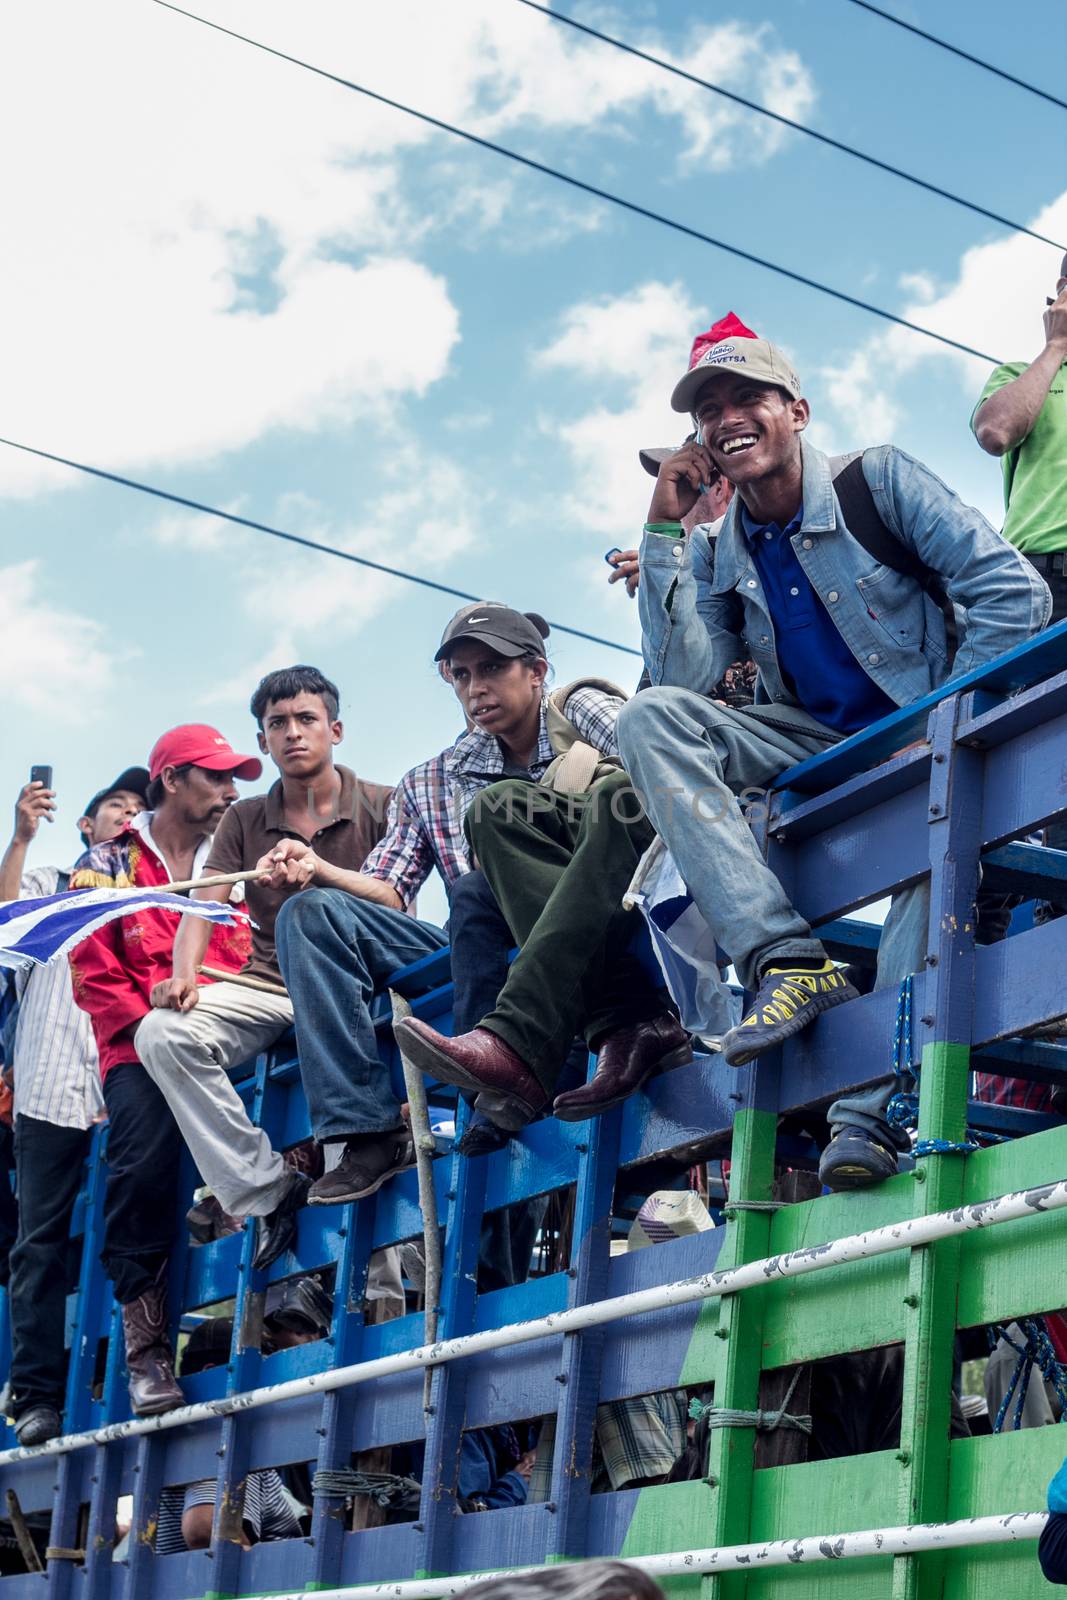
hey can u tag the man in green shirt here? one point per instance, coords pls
(1022, 417)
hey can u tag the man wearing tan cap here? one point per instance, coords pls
(840, 638)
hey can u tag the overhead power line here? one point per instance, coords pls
(787, 122)
(290, 538)
(588, 188)
(976, 61)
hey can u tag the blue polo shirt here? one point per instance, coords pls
(817, 665)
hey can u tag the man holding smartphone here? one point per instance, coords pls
(57, 1101)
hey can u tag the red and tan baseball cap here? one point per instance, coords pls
(728, 327)
(751, 358)
(198, 745)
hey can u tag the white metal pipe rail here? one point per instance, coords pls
(905, 1235)
(905, 1541)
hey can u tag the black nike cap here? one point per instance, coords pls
(508, 632)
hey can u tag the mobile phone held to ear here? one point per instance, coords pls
(706, 488)
(41, 775)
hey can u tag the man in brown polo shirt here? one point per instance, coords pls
(195, 1036)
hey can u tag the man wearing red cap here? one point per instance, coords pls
(191, 771)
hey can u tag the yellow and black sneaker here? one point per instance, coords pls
(788, 999)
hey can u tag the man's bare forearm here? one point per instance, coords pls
(1005, 419)
(360, 884)
(11, 869)
(190, 944)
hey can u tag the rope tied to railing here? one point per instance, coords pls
(751, 1205)
(389, 1490)
(762, 1421)
(903, 1109)
(1037, 1351)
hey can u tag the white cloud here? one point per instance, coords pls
(204, 244)
(994, 304)
(53, 662)
(544, 76)
(635, 347)
(294, 600)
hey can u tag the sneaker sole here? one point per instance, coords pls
(680, 1056)
(785, 1030)
(849, 1177)
(507, 1110)
(350, 1195)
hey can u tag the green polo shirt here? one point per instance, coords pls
(1035, 472)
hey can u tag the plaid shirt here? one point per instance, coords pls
(424, 828)
(992, 1090)
(638, 1438)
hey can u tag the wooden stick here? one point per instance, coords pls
(23, 1537)
(245, 980)
(204, 883)
(425, 1146)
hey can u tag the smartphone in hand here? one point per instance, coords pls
(41, 775)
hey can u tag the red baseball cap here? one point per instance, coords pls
(195, 744)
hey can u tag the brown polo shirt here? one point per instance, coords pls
(252, 827)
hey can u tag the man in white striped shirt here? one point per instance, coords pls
(57, 1100)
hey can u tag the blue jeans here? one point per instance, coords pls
(335, 952)
(689, 758)
(901, 951)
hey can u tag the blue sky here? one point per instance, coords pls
(239, 282)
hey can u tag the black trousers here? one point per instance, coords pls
(49, 1162)
(1056, 832)
(9, 1211)
(480, 940)
(144, 1151)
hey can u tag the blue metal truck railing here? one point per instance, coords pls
(850, 826)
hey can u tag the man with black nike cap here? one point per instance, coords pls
(542, 814)
(57, 1100)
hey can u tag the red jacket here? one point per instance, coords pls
(116, 968)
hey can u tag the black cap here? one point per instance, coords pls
(509, 633)
(134, 780)
(208, 1345)
(653, 457)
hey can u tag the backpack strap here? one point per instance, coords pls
(577, 764)
(867, 528)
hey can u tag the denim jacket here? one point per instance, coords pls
(701, 608)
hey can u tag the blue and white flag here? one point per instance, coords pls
(684, 945)
(34, 932)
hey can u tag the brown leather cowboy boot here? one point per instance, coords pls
(149, 1356)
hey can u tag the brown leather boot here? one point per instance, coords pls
(149, 1356)
(625, 1061)
(480, 1061)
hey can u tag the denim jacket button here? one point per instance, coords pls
(807, 544)
(751, 583)
(833, 595)
(874, 658)
(678, 549)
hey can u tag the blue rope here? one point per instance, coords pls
(903, 1109)
(1037, 1351)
